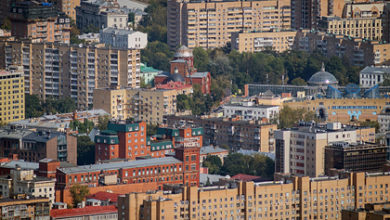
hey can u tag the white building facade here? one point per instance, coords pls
(123, 38)
(373, 75)
(250, 111)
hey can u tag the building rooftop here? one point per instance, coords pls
(199, 75)
(212, 150)
(104, 196)
(42, 136)
(148, 69)
(110, 30)
(375, 69)
(173, 85)
(119, 165)
(250, 106)
(322, 77)
(21, 163)
(87, 211)
(245, 177)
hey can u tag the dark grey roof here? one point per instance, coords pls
(199, 75)
(176, 78)
(21, 163)
(376, 69)
(211, 149)
(322, 78)
(41, 136)
(119, 165)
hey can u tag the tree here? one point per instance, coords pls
(103, 122)
(6, 24)
(371, 124)
(85, 151)
(33, 106)
(81, 127)
(151, 129)
(298, 82)
(201, 59)
(289, 117)
(214, 164)
(78, 193)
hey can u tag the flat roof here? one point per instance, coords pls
(119, 165)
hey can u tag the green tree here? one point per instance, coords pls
(78, 193)
(151, 129)
(103, 122)
(201, 59)
(85, 151)
(289, 117)
(214, 164)
(371, 124)
(82, 127)
(298, 82)
(33, 106)
(6, 24)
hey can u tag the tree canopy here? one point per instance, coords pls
(78, 193)
(85, 151)
(289, 117)
(36, 107)
(214, 164)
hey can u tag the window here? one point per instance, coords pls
(193, 158)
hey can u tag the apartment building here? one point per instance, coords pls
(384, 121)
(370, 28)
(359, 52)
(39, 21)
(25, 208)
(301, 150)
(11, 94)
(123, 38)
(305, 14)
(109, 212)
(33, 146)
(24, 182)
(58, 70)
(279, 41)
(68, 7)
(98, 14)
(377, 211)
(250, 111)
(148, 105)
(234, 133)
(373, 75)
(294, 198)
(209, 24)
(355, 157)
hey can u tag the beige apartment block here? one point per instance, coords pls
(301, 150)
(149, 105)
(279, 41)
(59, 70)
(363, 27)
(292, 199)
(209, 24)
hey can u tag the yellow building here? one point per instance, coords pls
(209, 24)
(375, 211)
(68, 7)
(279, 41)
(344, 110)
(11, 94)
(25, 208)
(149, 105)
(297, 198)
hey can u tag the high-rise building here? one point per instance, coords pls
(301, 150)
(377, 211)
(305, 14)
(355, 157)
(39, 21)
(58, 70)
(148, 105)
(68, 7)
(209, 24)
(292, 199)
(12, 94)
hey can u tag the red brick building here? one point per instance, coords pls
(183, 70)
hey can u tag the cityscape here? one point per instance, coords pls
(194, 109)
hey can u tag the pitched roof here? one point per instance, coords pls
(104, 196)
(245, 177)
(199, 75)
(87, 211)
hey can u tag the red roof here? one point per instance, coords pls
(87, 211)
(173, 85)
(104, 196)
(245, 177)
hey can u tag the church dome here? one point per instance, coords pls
(322, 78)
(176, 78)
(183, 51)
